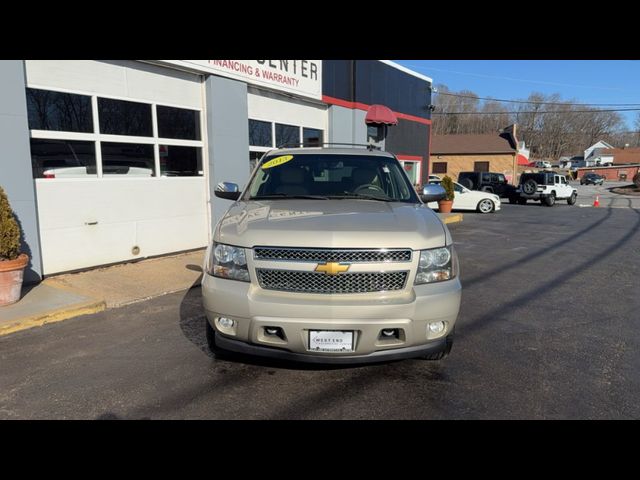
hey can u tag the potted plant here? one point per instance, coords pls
(12, 261)
(444, 206)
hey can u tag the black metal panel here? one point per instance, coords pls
(379, 83)
(337, 79)
(408, 138)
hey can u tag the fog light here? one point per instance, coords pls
(272, 330)
(436, 327)
(225, 322)
(388, 332)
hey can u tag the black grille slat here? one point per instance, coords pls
(331, 255)
(312, 282)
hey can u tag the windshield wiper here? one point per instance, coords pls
(284, 196)
(363, 197)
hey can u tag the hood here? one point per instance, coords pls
(344, 223)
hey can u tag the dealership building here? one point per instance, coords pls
(111, 161)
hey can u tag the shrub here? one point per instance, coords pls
(9, 230)
(447, 184)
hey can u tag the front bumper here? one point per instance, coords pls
(237, 346)
(409, 312)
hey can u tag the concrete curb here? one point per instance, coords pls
(92, 305)
(451, 217)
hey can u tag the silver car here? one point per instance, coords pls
(330, 256)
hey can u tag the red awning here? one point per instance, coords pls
(380, 114)
(522, 160)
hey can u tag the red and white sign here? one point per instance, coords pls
(301, 77)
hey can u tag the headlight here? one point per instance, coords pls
(226, 261)
(435, 265)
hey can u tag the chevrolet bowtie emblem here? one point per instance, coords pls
(332, 268)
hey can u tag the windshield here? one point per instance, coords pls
(332, 176)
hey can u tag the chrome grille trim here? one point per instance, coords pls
(319, 255)
(313, 282)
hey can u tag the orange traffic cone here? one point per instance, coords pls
(596, 202)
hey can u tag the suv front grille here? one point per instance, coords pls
(331, 255)
(312, 282)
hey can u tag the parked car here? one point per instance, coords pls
(540, 164)
(487, 182)
(545, 187)
(330, 256)
(591, 179)
(465, 199)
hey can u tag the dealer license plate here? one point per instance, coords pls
(330, 341)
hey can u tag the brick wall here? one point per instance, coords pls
(498, 163)
(611, 173)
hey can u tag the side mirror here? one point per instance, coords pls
(227, 190)
(433, 193)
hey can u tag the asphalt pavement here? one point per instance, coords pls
(548, 329)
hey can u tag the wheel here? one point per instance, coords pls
(530, 186)
(549, 200)
(487, 189)
(369, 186)
(514, 200)
(572, 199)
(485, 206)
(467, 182)
(211, 340)
(443, 353)
(522, 201)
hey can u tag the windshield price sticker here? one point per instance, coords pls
(275, 162)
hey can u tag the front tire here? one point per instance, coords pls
(444, 353)
(522, 201)
(211, 340)
(572, 199)
(485, 206)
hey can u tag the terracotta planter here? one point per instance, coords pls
(444, 206)
(11, 275)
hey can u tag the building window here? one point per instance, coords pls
(260, 134)
(312, 137)
(131, 159)
(59, 111)
(287, 135)
(120, 117)
(170, 139)
(177, 161)
(480, 166)
(178, 123)
(439, 167)
(254, 158)
(62, 158)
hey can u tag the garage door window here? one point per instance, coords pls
(62, 158)
(131, 159)
(59, 111)
(88, 136)
(177, 161)
(118, 117)
(178, 123)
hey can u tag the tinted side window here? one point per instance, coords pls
(486, 177)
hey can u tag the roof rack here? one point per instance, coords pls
(316, 144)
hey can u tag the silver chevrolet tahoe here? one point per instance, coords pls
(330, 256)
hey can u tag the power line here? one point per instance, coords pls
(572, 112)
(536, 103)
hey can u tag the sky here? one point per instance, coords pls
(588, 81)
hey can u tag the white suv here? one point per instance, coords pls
(546, 187)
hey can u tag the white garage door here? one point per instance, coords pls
(118, 158)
